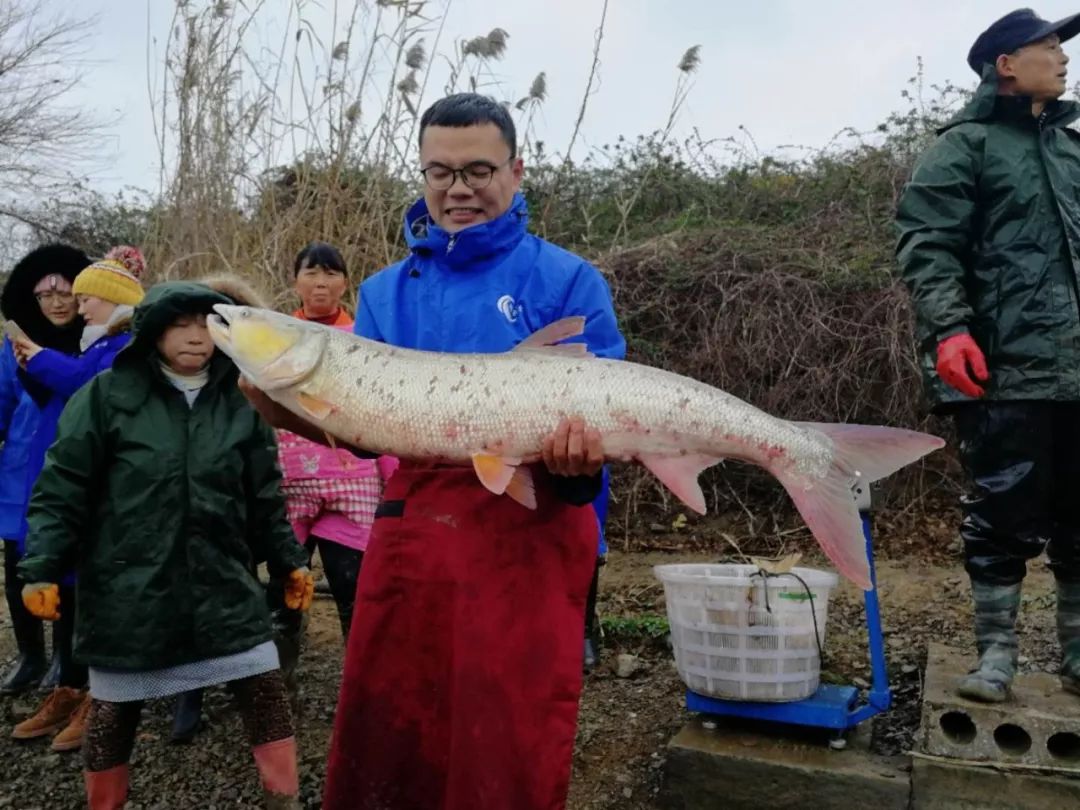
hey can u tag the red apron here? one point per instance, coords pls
(464, 663)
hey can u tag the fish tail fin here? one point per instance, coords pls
(860, 453)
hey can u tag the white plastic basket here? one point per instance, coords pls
(735, 638)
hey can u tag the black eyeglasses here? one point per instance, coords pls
(475, 175)
(54, 295)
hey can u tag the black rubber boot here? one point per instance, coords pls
(26, 671)
(61, 666)
(996, 607)
(24, 674)
(51, 679)
(187, 716)
(72, 673)
(287, 639)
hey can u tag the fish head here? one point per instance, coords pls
(270, 349)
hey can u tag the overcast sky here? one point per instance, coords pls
(790, 71)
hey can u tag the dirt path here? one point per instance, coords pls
(624, 724)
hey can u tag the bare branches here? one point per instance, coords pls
(688, 65)
(599, 38)
(40, 55)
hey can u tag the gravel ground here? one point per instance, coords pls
(625, 723)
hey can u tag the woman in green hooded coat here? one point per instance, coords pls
(163, 492)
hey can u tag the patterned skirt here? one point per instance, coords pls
(124, 686)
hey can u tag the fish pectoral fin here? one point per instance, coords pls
(506, 476)
(546, 338)
(344, 459)
(494, 472)
(521, 487)
(314, 407)
(680, 475)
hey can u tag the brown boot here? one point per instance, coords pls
(54, 714)
(70, 739)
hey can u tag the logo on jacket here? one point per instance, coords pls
(509, 308)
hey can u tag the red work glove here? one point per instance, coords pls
(959, 358)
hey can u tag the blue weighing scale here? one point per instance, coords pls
(837, 708)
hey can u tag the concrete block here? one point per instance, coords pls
(944, 786)
(739, 765)
(1040, 725)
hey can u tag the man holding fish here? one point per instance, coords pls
(463, 669)
(464, 664)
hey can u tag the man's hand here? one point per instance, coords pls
(277, 416)
(573, 449)
(958, 358)
(281, 418)
(42, 599)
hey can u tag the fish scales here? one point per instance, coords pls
(496, 410)
(454, 405)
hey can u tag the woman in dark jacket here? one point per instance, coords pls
(38, 298)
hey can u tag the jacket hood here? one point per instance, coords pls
(164, 303)
(241, 292)
(137, 367)
(17, 302)
(473, 248)
(120, 325)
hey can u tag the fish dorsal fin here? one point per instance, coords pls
(504, 476)
(554, 332)
(680, 475)
(545, 339)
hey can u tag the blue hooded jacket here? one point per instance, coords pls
(65, 374)
(20, 418)
(484, 289)
(30, 430)
(29, 408)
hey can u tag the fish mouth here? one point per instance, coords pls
(217, 324)
(220, 321)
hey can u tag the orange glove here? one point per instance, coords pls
(958, 359)
(42, 599)
(299, 589)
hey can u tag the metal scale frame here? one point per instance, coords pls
(835, 708)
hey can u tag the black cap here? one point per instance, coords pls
(1015, 30)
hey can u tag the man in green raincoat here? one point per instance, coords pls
(990, 248)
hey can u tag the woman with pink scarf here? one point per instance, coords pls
(330, 494)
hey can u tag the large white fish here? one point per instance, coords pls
(493, 411)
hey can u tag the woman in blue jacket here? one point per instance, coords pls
(38, 297)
